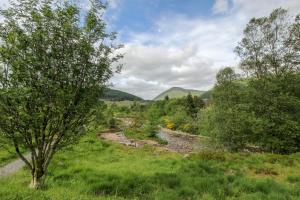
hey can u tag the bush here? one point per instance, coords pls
(264, 112)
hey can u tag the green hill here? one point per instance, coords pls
(117, 95)
(177, 92)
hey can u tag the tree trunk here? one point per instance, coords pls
(37, 180)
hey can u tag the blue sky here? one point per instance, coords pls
(140, 15)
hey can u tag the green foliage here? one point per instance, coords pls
(151, 121)
(268, 45)
(54, 64)
(264, 112)
(276, 105)
(226, 75)
(117, 95)
(230, 118)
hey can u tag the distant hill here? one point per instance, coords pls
(117, 95)
(177, 92)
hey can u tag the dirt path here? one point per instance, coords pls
(177, 141)
(119, 137)
(13, 167)
(181, 142)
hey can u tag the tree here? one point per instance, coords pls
(190, 106)
(167, 98)
(229, 114)
(54, 65)
(262, 110)
(226, 75)
(198, 102)
(268, 46)
(269, 53)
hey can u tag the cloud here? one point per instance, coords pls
(220, 6)
(187, 52)
(113, 4)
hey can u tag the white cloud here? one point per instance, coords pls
(188, 52)
(113, 4)
(221, 6)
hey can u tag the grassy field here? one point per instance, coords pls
(95, 169)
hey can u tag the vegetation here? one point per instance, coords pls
(94, 169)
(265, 112)
(50, 103)
(117, 95)
(54, 66)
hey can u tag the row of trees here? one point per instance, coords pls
(262, 107)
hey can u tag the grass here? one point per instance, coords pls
(135, 133)
(94, 169)
(7, 153)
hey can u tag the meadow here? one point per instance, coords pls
(96, 169)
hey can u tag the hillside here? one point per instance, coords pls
(177, 92)
(117, 95)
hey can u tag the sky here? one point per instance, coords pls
(179, 43)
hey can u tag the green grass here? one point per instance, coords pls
(136, 134)
(6, 156)
(7, 153)
(94, 169)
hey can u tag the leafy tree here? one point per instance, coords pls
(264, 111)
(226, 75)
(167, 98)
(269, 45)
(275, 102)
(54, 65)
(229, 117)
(198, 102)
(190, 105)
(152, 120)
